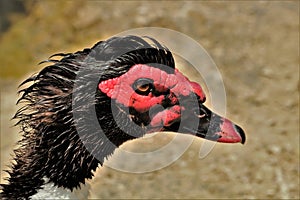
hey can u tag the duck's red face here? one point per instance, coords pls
(161, 101)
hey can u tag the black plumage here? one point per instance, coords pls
(51, 146)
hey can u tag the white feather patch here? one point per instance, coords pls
(49, 191)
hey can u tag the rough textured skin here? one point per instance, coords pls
(120, 88)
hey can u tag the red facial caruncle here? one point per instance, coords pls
(121, 88)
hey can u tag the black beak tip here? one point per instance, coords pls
(241, 132)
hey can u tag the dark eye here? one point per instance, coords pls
(143, 86)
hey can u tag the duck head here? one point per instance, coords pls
(83, 105)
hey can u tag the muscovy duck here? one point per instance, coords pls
(83, 105)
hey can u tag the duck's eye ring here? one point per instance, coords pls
(143, 86)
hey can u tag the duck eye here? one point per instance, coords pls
(143, 86)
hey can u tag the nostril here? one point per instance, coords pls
(241, 132)
(197, 114)
(200, 112)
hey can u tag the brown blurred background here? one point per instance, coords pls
(255, 45)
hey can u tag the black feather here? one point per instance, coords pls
(59, 111)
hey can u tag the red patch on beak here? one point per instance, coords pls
(230, 133)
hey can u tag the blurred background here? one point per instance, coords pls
(255, 45)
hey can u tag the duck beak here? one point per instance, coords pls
(219, 129)
(208, 125)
